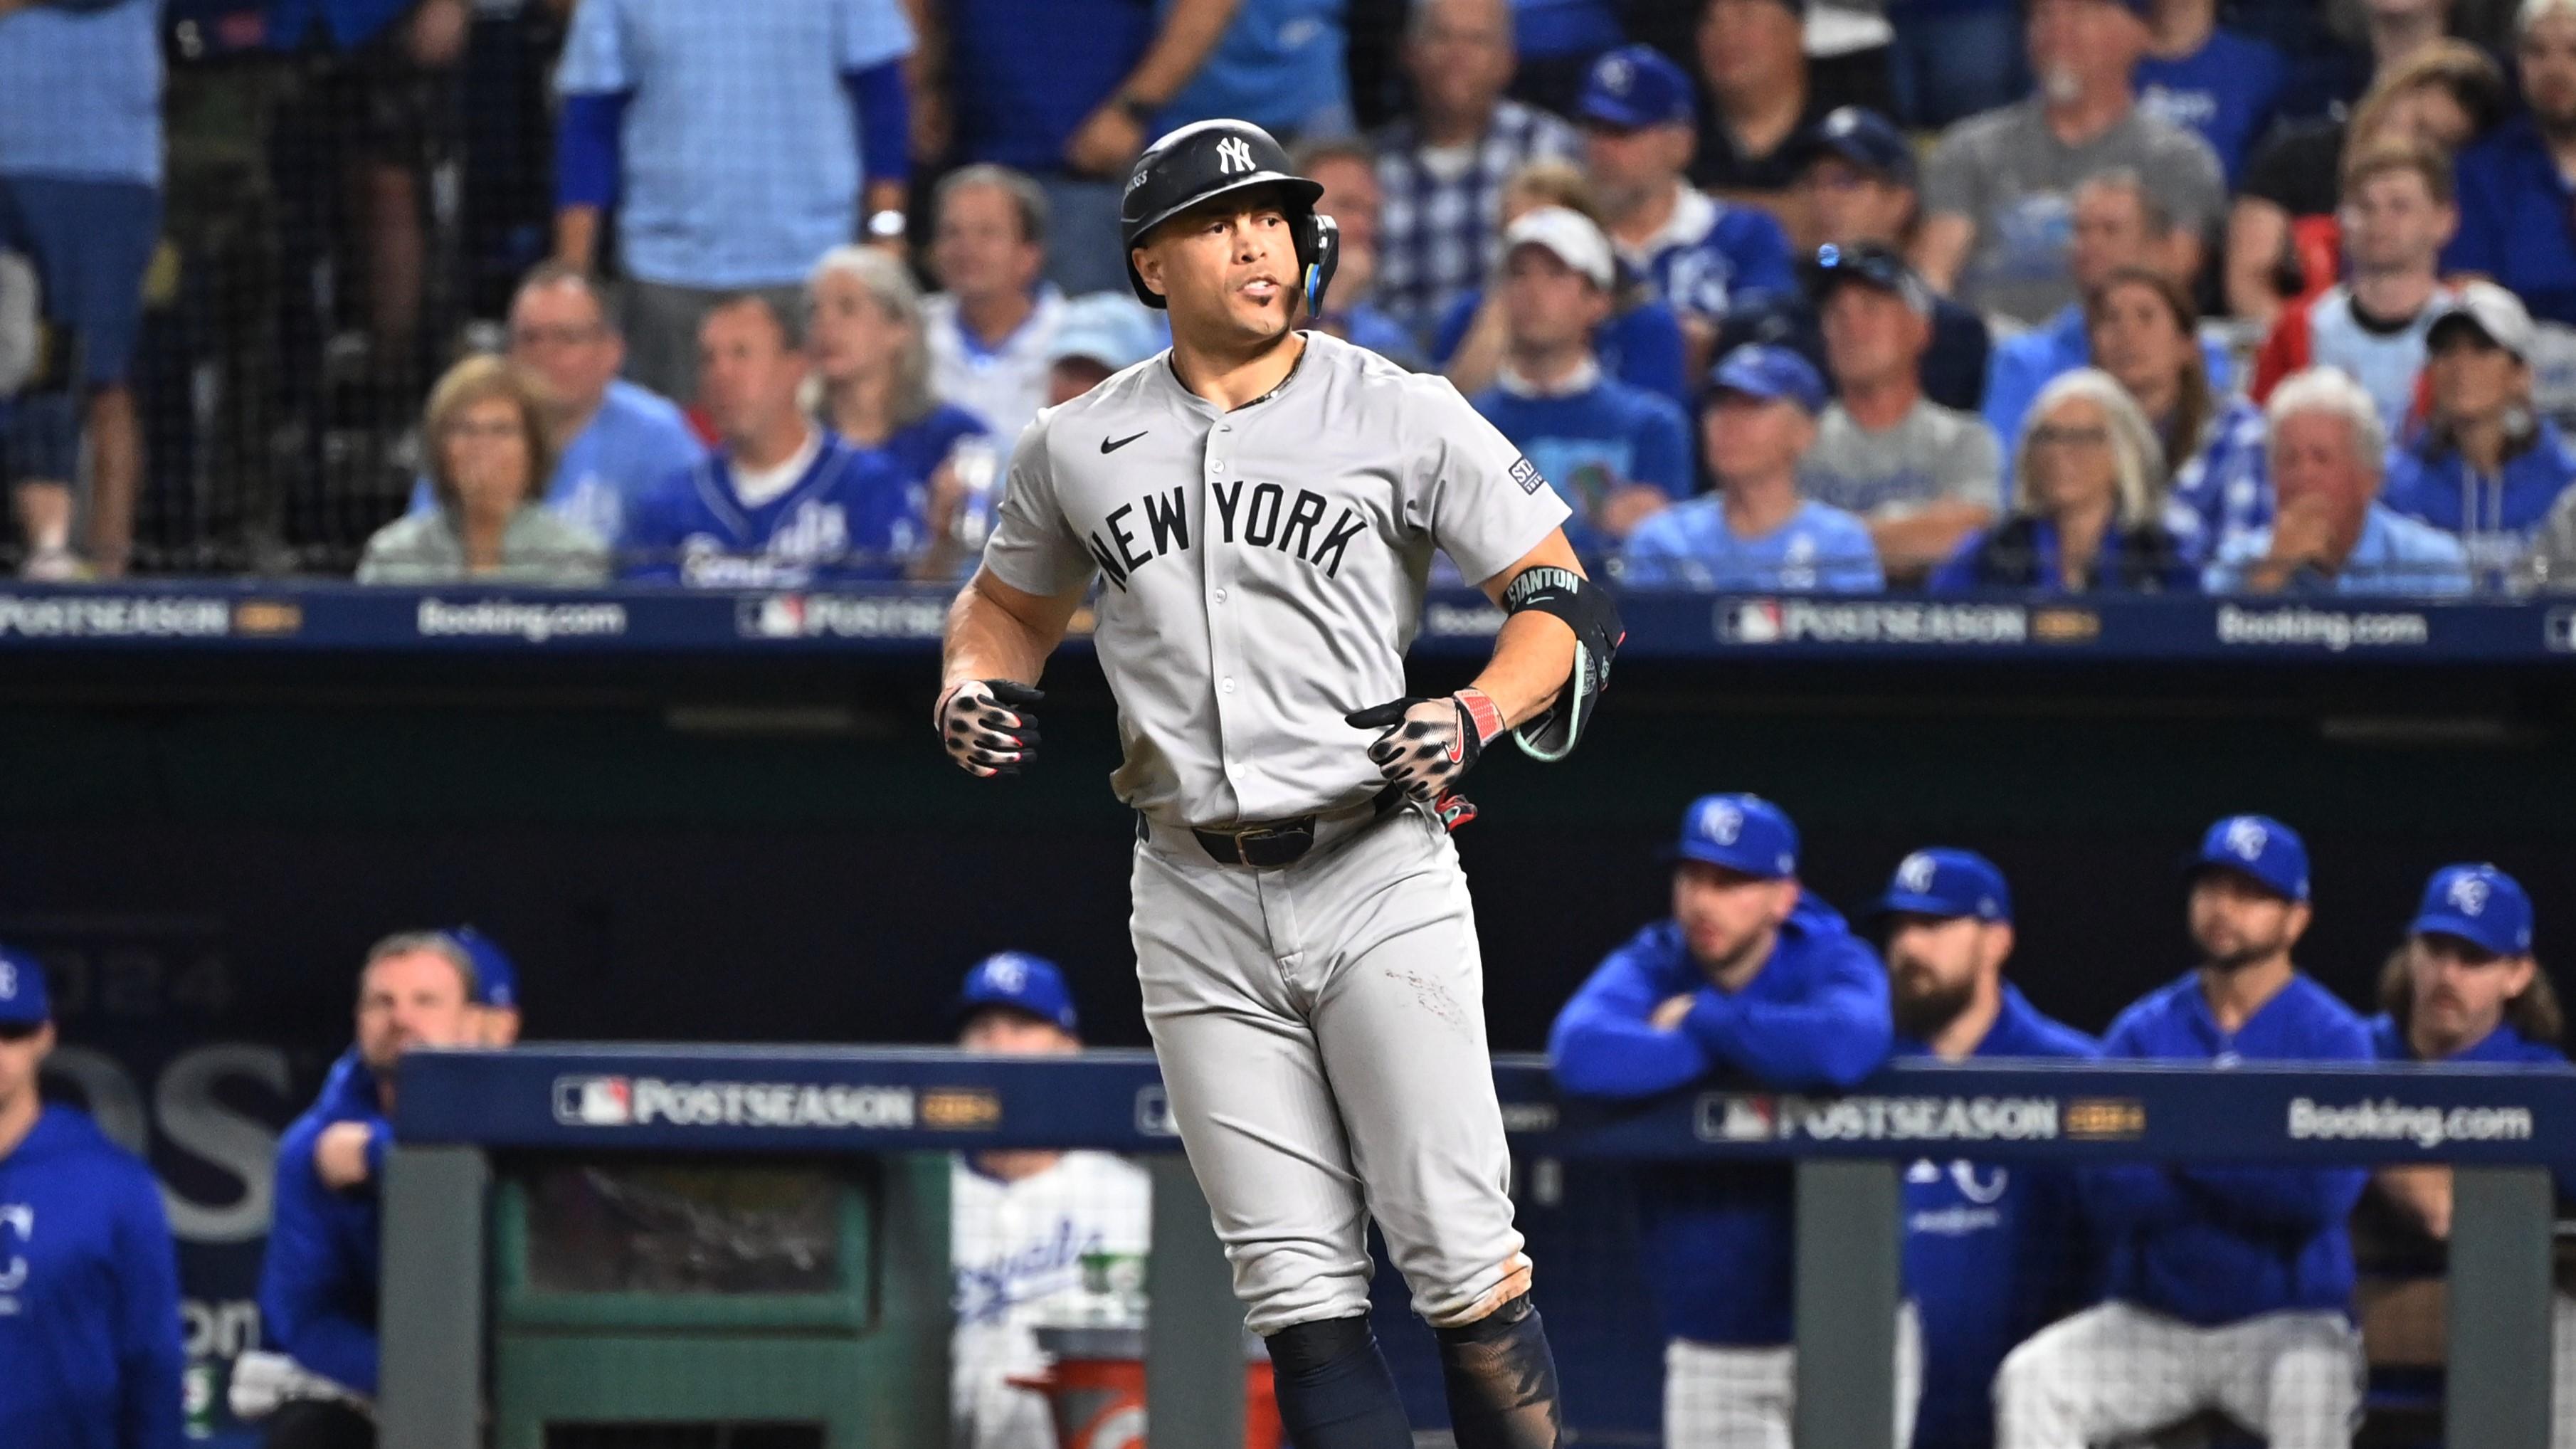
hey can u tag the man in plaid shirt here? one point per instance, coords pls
(1443, 169)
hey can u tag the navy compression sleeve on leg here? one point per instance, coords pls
(1501, 1380)
(1335, 1391)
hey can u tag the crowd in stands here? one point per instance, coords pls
(1971, 295)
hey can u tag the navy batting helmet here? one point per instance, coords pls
(1215, 158)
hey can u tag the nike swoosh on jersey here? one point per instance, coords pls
(1107, 446)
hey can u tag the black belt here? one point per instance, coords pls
(1269, 844)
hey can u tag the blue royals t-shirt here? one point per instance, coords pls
(2228, 91)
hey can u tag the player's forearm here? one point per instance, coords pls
(1534, 653)
(988, 640)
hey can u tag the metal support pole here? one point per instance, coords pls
(431, 1396)
(1193, 1326)
(1848, 1274)
(2497, 1385)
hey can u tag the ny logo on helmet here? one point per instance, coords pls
(2469, 893)
(1721, 822)
(1234, 154)
(1915, 875)
(2246, 839)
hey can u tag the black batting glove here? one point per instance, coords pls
(1428, 743)
(987, 727)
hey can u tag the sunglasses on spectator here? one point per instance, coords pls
(2050, 434)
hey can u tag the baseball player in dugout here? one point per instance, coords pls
(1992, 1250)
(2228, 1287)
(1260, 507)
(1754, 977)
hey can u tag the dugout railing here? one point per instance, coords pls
(2499, 1128)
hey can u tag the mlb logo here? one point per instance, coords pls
(1737, 1119)
(779, 616)
(1750, 621)
(594, 1102)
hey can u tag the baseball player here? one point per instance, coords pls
(1262, 507)
(1020, 1223)
(2464, 987)
(2229, 1288)
(89, 1279)
(317, 1286)
(1751, 975)
(1991, 1252)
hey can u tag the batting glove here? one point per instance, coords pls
(1429, 743)
(987, 727)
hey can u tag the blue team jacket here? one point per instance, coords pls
(1992, 1252)
(2494, 515)
(1718, 1241)
(317, 1288)
(2214, 1245)
(89, 1295)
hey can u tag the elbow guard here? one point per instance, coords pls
(1585, 608)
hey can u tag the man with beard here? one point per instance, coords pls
(1991, 1252)
(2464, 987)
(2514, 192)
(1751, 976)
(2229, 1288)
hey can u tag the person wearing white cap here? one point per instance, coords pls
(2488, 466)
(1098, 336)
(1618, 453)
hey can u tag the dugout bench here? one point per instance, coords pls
(867, 1355)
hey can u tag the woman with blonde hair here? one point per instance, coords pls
(489, 459)
(2088, 488)
(872, 375)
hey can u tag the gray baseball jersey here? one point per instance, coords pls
(1264, 567)
(1320, 1024)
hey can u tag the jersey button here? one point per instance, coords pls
(1228, 686)
(1220, 596)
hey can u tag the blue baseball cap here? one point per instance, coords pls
(1021, 982)
(1762, 370)
(1634, 87)
(1946, 883)
(2479, 904)
(2259, 848)
(496, 979)
(1864, 138)
(1740, 832)
(22, 991)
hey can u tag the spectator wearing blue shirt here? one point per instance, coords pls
(2515, 198)
(2146, 334)
(737, 140)
(1751, 978)
(2224, 492)
(2487, 467)
(1278, 66)
(1756, 532)
(80, 198)
(318, 1287)
(2087, 516)
(2198, 76)
(2229, 1288)
(89, 1278)
(612, 439)
(1347, 170)
(1921, 475)
(1856, 182)
(1640, 342)
(1443, 169)
(1615, 452)
(2329, 531)
(871, 350)
(2118, 224)
(1992, 1251)
(782, 503)
(1694, 252)
(1070, 91)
